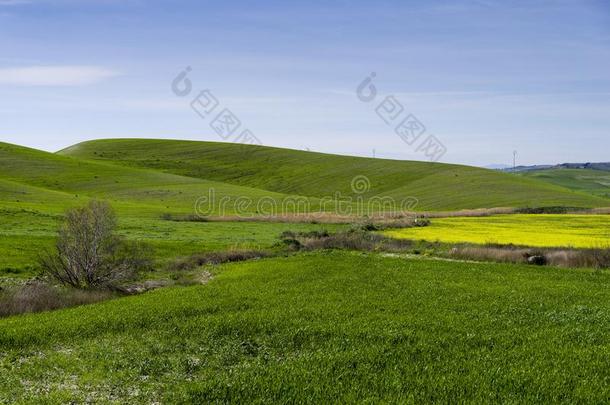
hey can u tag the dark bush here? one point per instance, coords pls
(291, 243)
(183, 218)
(421, 222)
(310, 234)
(548, 210)
(353, 240)
(288, 235)
(201, 259)
(381, 224)
(369, 226)
(538, 260)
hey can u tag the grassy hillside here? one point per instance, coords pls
(326, 327)
(436, 186)
(19, 196)
(37, 187)
(63, 180)
(596, 182)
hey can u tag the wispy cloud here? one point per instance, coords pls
(55, 75)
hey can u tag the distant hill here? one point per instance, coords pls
(497, 166)
(291, 172)
(595, 182)
(526, 168)
(591, 178)
(604, 166)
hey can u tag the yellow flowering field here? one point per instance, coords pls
(578, 231)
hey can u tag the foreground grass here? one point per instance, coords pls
(326, 327)
(578, 231)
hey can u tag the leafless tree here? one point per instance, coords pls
(88, 252)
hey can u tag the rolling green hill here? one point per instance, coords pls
(145, 179)
(37, 187)
(29, 176)
(151, 177)
(437, 186)
(596, 182)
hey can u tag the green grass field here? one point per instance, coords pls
(326, 327)
(26, 233)
(578, 231)
(437, 186)
(145, 179)
(309, 327)
(596, 182)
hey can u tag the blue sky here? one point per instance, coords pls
(485, 77)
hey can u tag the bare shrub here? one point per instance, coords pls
(88, 252)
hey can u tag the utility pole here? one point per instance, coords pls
(373, 153)
(514, 160)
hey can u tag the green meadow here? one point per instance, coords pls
(328, 325)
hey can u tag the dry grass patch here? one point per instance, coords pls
(316, 217)
(36, 296)
(570, 258)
